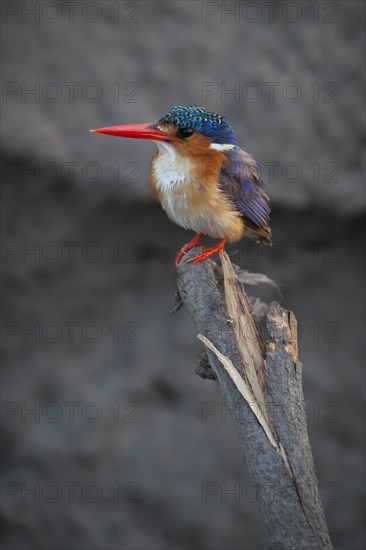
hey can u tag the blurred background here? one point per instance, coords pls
(110, 439)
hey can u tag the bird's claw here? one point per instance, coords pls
(207, 252)
(196, 241)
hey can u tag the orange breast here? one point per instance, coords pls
(185, 180)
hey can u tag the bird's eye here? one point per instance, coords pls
(185, 132)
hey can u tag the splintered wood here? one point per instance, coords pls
(252, 383)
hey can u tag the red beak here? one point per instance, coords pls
(139, 131)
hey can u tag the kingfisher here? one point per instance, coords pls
(203, 179)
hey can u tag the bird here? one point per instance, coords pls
(204, 181)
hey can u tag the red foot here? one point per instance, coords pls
(196, 241)
(207, 252)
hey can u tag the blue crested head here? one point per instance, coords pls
(190, 120)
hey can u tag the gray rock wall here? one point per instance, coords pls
(110, 440)
(288, 78)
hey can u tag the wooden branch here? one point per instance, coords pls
(261, 382)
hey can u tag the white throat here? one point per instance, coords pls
(171, 169)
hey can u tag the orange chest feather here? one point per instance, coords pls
(178, 176)
(188, 190)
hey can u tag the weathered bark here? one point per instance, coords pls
(283, 472)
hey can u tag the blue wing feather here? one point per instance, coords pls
(241, 181)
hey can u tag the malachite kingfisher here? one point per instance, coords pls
(202, 178)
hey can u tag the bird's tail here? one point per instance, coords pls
(262, 234)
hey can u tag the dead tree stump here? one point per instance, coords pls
(261, 382)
